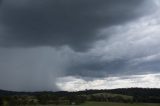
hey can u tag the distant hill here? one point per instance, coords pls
(151, 95)
(123, 91)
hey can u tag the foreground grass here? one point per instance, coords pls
(108, 104)
(118, 104)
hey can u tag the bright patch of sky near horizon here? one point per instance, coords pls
(76, 84)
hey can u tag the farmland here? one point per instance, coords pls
(108, 104)
(115, 97)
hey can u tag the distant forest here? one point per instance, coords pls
(125, 95)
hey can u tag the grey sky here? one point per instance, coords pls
(42, 41)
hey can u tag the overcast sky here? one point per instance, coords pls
(79, 44)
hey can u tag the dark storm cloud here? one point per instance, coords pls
(28, 23)
(98, 68)
(118, 67)
(148, 67)
(129, 28)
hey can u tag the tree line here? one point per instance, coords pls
(126, 95)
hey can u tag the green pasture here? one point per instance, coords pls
(108, 104)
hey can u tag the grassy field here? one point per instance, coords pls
(117, 104)
(108, 104)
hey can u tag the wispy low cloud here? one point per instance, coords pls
(72, 83)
